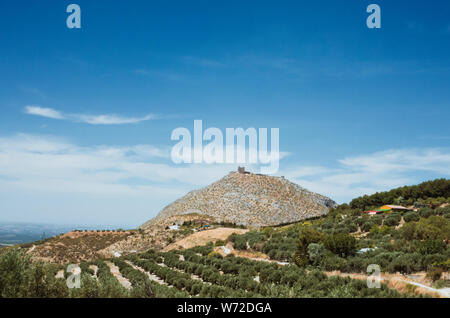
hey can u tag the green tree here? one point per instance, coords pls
(431, 247)
(341, 244)
(393, 219)
(411, 216)
(14, 266)
(307, 236)
(316, 252)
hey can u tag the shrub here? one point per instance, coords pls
(334, 263)
(341, 244)
(431, 247)
(445, 211)
(307, 236)
(268, 231)
(405, 263)
(14, 263)
(441, 284)
(215, 254)
(393, 219)
(351, 228)
(435, 273)
(240, 243)
(377, 219)
(220, 243)
(367, 226)
(360, 221)
(21, 278)
(411, 216)
(316, 253)
(425, 212)
(383, 230)
(435, 227)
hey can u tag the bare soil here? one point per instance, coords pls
(204, 237)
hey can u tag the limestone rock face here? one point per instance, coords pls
(249, 199)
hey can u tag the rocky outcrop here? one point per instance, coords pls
(249, 199)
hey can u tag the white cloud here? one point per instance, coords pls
(54, 164)
(44, 112)
(52, 161)
(367, 174)
(43, 163)
(396, 161)
(109, 119)
(135, 182)
(58, 178)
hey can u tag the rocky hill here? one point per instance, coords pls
(249, 199)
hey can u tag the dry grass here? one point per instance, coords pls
(204, 237)
(74, 247)
(396, 281)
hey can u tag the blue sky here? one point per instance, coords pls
(86, 115)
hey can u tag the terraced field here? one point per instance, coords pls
(200, 272)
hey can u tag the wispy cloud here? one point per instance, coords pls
(167, 75)
(61, 165)
(108, 119)
(45, 164)
(397, 161)
(142, 178)
(434, 137)
(34, 91)
(66, 182)
(44, 112)
(202, 62)
(311, 69)
(367, 174)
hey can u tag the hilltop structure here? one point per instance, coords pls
(244, 198)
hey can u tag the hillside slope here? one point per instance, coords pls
(249, 199)
(74, 247)
(432, 193)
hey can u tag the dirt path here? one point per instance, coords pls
(443, 292)
(400, 283)
(254, 256)
(116, 272)
(396, 281)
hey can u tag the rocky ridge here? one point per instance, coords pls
(249, 199)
